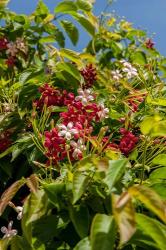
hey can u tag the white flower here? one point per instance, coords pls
(20, 44)
(78, 147)
(131, 72)
(85, 96)
(116, 75)
(129, 69)
(103, 113)
(19, 210)
(8, 231)
(67, 131)
(12, 49)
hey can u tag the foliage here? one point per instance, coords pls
(82, 135)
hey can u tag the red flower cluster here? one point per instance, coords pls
(127, 142)
(5, 141)
(77, 122)
(10, 61)
(3, 43)
(135, 101)
(53, 97)
(89, 74)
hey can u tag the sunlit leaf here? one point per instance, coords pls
(71, 31)
(150, 199)
(103, 231)
(153, 228)
(66, 7)
(84, 244)
(84, 5)
(160, 160)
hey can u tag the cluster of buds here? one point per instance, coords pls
(53, 97)
(90, 75)
(12, 49)
(127, 142)
(5, 141)
(68, 138)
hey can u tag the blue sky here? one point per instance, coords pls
(149, 15)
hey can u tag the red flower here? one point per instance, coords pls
(149, 43)
(89, 74)
(127, 142)
(5, 141)
(10, 61)
(3, 43)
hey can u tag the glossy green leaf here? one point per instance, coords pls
(139, 57)
(153, 228)
(103, 231)
(66, 7)
(153, 126)
(71, 31)
(47, 39)
(160, 160)
(115, 172)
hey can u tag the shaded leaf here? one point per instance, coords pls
(79, 185)
(80, 217)
(84, 244)
(71, 69)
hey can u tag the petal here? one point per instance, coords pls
(4, 230)
(62, 133)
(68, 135)
(70, 125)
(10, 225)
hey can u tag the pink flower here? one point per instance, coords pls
(10, 61)
(8, 231)
(12, 49)
(103, 112)
(67, 131)
(78, 148)
(85, 96)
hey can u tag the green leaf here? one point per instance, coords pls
(71, 55)
(84, 244)
(34, 208)
(160, 160)
(103, 231)
(159, 187)
(79, 185)
(150, 199)
(153, 126)
(41, 9)
(55, 192)
(3, 3)
(88, 26)
(66, 7)
(80, 217)
(153, 228)
(71, 69)
(139, 57)
(71, 31)
(84, 5)
(47, 39)
(115, 172)
(156, 101)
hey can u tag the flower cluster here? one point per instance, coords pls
(12, 49)
(8, 231)
(69, 137)
(127, 142)
(135, 101)
(129, 69)
(53, 97)
(90, 75)
(149, 44)
(5, 141)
